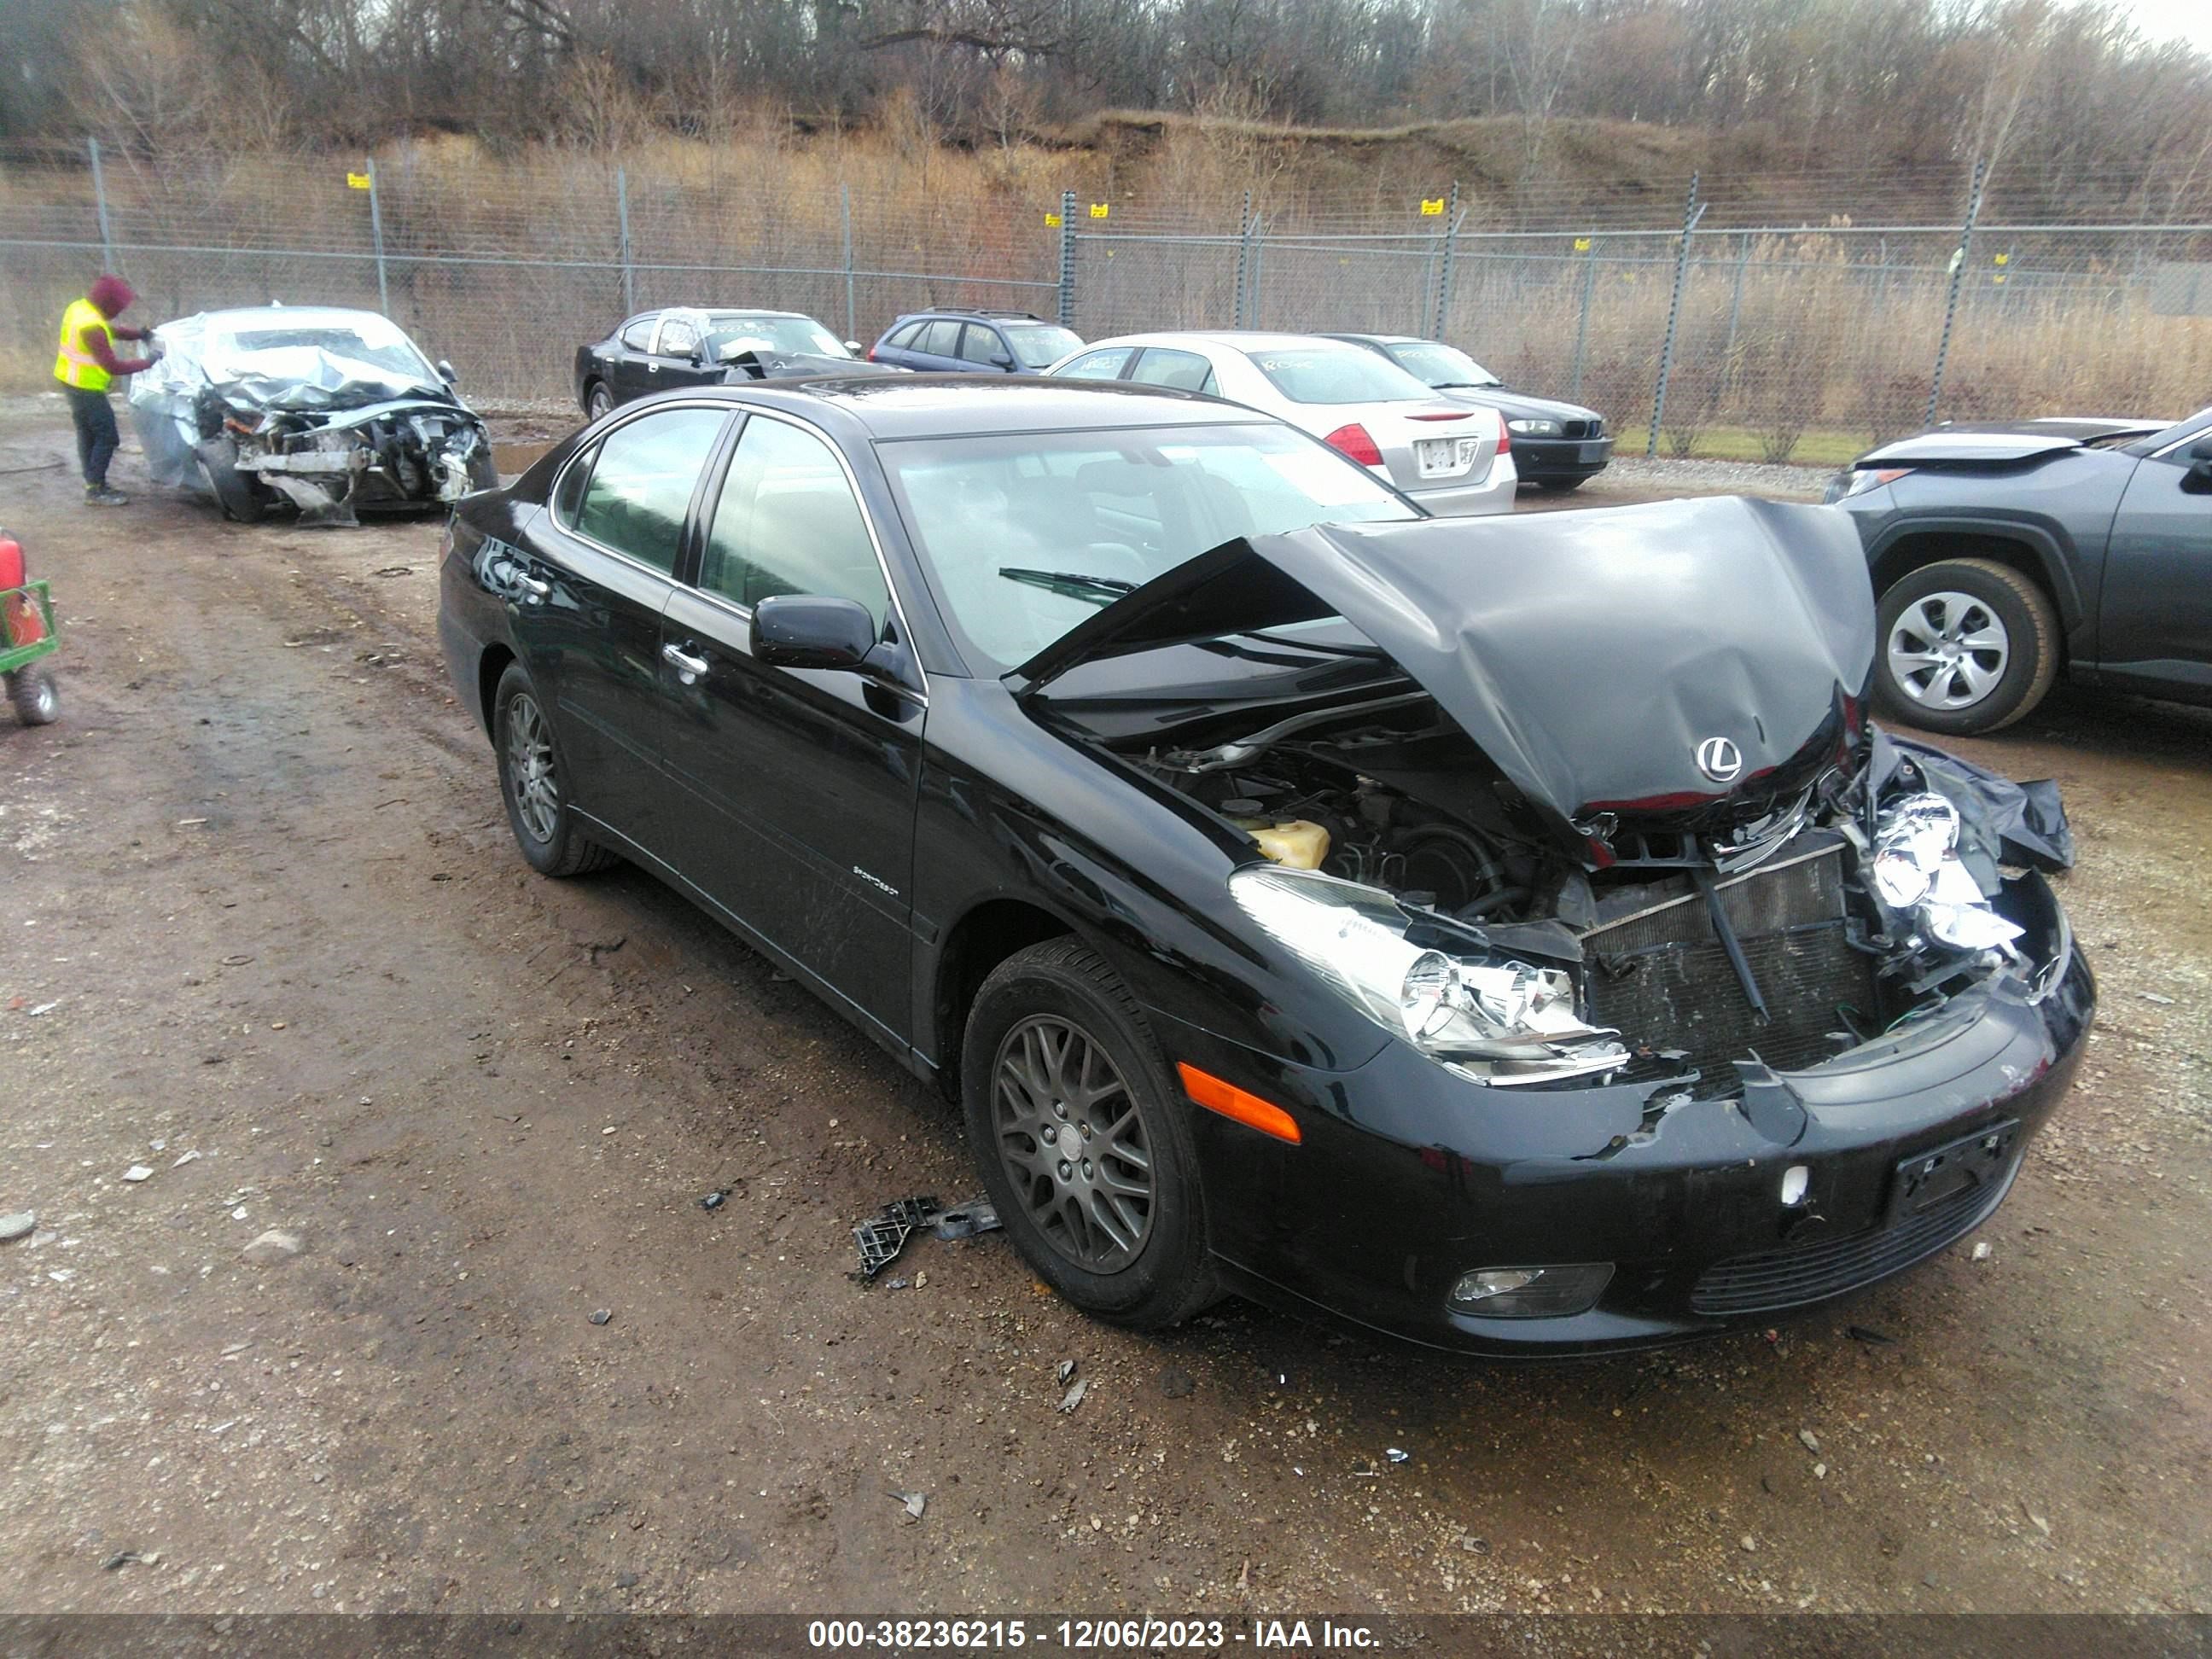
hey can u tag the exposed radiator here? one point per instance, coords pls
(1660, 974)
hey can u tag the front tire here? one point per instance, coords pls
(37, 700)
(1561, 486)
(1083, 1139)
(1964, 645)
(533, 783)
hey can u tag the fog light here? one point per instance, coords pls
(1795, 1180)
(1531, 1293)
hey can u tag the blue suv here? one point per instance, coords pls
(960, 338)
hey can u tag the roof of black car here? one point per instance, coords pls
(946, 405)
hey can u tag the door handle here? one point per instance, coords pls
(683, 661)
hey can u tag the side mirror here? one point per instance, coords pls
(1003, 362)
(807, 630)
(446, 372)
(855, 347)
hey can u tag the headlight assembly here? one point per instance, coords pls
(1496, 1019)
(1915, 869)
(1533, 429)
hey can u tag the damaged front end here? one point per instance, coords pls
(336, 413)
(1681, 964)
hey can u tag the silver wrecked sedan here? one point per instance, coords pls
(334, 411)
(1454, 460)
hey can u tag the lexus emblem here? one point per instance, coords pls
(1719, 760)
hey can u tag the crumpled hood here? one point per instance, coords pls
(1588, 654)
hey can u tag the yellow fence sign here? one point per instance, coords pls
(1098, 210)
(1582, 244)
(1052, 221)
(1433, 207)
(356, 181)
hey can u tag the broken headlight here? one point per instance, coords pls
(1502, 1020)
(1915, 869)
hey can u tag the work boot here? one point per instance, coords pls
(103, 496)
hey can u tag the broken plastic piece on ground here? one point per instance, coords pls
(1067, 1370)
(1073, 1397)
(1872, 1338)
(916, 1502)
(715, 1199)
(976, 1216)
(884, 1235)
(1398, 1456)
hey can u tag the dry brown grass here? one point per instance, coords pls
(1817, 339)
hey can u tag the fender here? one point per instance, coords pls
(2052, 549)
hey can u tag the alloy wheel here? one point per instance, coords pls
(1948, 651)
(530, 768)
(1073, 1142)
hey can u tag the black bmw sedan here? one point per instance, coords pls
(1509, 934)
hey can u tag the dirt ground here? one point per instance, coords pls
(264, 916)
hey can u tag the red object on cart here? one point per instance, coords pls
(21, 622)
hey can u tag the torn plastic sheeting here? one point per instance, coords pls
(2000, 822)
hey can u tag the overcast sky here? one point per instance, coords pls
(2174, 20)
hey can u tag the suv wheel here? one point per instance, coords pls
(1083, 1138)
(1966, 645)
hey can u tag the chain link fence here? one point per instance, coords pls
(1700, 324)
(1714, 335)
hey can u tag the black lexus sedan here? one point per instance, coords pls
(1506, 933)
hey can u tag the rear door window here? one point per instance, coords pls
(787, 522)
(640, 487)
(941, 338)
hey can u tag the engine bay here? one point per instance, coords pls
(1782, 926)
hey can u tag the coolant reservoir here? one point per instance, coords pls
(1294, 841)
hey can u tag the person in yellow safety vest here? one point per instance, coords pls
(87, 365)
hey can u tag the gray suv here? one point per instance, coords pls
(2005, 554)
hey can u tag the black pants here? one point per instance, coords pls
(96, 436)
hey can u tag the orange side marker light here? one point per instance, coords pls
(1232, 1101)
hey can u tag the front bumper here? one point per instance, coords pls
(1554, 460)
(1409, 1177)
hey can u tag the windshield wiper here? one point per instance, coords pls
(1074, 583)
(1467, 385)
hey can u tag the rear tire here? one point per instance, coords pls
(37, 700)
(599, 401)
(533, 783)
(1122, 1240)
(1964, 645)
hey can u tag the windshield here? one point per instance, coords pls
(734, 334)
(1435, 364)
(1023, 535)
(1038, 345)
(288, 352)
(1338, 374)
